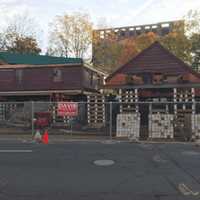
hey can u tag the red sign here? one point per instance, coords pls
(69, 109)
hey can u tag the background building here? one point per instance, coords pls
(112, 47)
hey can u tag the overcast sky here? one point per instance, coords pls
(116, 12)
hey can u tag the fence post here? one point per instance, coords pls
(32, 117)
(111, 120)
(150, 118)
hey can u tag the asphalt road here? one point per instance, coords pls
(67, 171)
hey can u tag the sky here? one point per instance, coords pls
(113, 13)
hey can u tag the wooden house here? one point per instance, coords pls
(156, 76)
(155, 67)
(25, 77)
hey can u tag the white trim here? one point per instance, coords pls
(28, 66)
(44, 92)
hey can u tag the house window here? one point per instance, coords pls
(19, 74)
(57, 75)
(147, 77)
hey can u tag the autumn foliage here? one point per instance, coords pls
(111, 53)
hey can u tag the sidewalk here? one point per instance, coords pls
(84, 138)
(56, 138)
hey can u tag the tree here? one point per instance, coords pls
(106, 51)
(144, 40)
(22, 25)
(111, 53)
(2, 41)
(192, 25)
(129, 49)
(193, 32)
(195, 41)
(178, 43)
(131, 46)
(20, 36)
(183, 40)
(71, 35)
(24, 45)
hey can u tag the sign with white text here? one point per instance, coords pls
(68, 109)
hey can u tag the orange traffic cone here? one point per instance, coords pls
(45, 138)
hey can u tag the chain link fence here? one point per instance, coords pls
(16, 117)
(141, 120)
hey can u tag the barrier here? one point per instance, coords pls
(151, 120)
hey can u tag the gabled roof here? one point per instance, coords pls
(31, 59)
(88, 64)
(155, 59)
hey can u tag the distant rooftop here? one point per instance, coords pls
(31, 59)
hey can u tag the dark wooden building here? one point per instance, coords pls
(154, 68)
(164, 82)
(32, 77)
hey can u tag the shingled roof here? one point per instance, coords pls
(31, 59)
(155, 59)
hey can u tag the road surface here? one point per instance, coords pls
(67, 171)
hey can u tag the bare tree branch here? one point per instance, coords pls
(70, 34)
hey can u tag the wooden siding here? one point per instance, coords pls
(91, 79)
(41, 78)
(152, 60)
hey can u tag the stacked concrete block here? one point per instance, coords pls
(128, 101)
(7, 110)
(2, 111)
(183, 99)
(161, 126)
(96, 110)
(128, 125)
(195, 126)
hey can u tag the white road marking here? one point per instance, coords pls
(16, 151)
(103, 162)
(110, 142)
(185, 190)
(182, 188)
